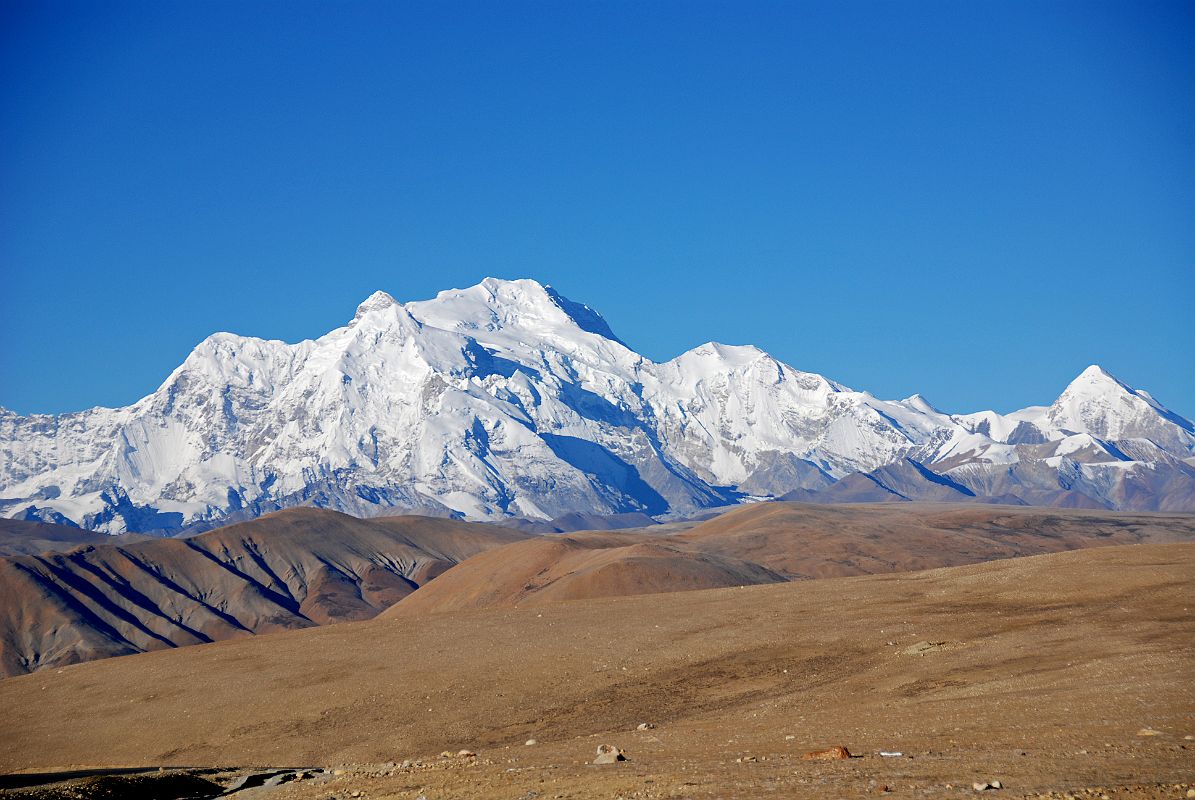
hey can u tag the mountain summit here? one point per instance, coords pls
(507, 399)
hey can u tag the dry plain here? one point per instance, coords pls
(1064, 673)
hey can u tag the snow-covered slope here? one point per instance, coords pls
(507, 399)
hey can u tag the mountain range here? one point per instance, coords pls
(508, 401)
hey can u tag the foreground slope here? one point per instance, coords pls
(768, 542)
(1037, 671)
(292, 569)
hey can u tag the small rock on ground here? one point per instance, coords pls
(829, 754)
(608, 754)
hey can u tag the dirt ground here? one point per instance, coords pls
(1066, 673)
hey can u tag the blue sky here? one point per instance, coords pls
(972, 200)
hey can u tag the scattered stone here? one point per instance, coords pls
(608, 754)
(1191, 793)
(645, 726)
(406, 764)
(1148, 732)
(1189, 738)
(829, 754)
(891, 754)
(922, 647)
(530, 743)
(466, 754)
(745, 760)
(985, 786)
(446, 754)
(789, 738)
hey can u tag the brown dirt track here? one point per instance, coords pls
(1043, 671)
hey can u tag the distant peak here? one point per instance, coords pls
(506, 303)
(919, 402)
(504, 289)
(1099, 403)
(740, 350)
(500, 292)
(376, 301)
(733, 354)
(496, 284)
(1096, 378)
(1096, 371)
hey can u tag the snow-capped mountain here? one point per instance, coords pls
(507, 399)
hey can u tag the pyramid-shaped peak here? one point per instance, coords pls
(376, 301)
(919, 402)
(1096, 380)
(1100, 404)
(1096, 373)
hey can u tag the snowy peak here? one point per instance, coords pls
(1095, 381)
(1098, 403)
(514, 313)
(723, 355)
(378, 301)
(917, 402)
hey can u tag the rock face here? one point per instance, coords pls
(508, 400)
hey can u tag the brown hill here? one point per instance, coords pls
(768, 542)
(799, 540)
(576, 566)
(292, 569)
(20, 537)
(1039, 672)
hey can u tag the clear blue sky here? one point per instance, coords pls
(973, 200)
